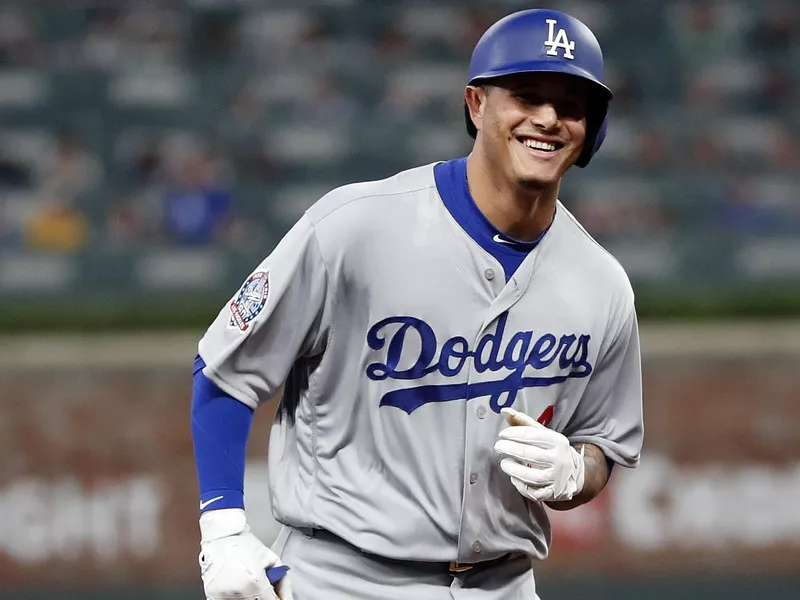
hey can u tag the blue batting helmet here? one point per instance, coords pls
(545, 41)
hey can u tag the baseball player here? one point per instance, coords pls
(457, 353)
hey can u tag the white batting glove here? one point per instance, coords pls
(233, 561)
(541, 462)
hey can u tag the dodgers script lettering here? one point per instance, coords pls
(565, 356)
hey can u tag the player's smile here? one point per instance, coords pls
(540, 147)
(542, 157)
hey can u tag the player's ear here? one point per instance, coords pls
(475, 101)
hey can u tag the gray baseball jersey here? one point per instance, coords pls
(402, 341)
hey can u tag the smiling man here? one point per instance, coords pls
(532, 127)
(457, 352)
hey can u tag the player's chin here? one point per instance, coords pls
(537, 172)
(540, 176)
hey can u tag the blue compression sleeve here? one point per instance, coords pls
(220, 428)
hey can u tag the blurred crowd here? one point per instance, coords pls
(166, 123)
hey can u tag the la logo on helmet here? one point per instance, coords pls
(558, 40)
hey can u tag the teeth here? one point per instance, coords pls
(539, 145)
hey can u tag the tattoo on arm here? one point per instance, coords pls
(595, 477)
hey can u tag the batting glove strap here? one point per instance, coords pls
(216, 524)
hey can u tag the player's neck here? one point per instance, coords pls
(520, 214)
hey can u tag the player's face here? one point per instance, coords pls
(533, 126)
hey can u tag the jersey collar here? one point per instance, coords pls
(451, 183)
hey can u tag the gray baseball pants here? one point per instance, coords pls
(325, 567)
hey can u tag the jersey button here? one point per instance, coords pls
(477, 547)
(481, 412)
(489, 274)
(473, 477)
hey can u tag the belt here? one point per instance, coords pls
(453, 567)
(459, 567)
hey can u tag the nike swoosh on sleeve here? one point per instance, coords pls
(207, 502)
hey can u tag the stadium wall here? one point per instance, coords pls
(97, 485)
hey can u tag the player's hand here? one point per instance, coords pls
(233, 561)
(541, 462)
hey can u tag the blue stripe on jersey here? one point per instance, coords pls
(451, 182)
(220, 428)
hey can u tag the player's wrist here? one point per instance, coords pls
(580, 468)
(225, 522)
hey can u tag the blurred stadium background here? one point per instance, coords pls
(151, 153)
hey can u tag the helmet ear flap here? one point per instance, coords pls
(596, 128)
(601, 135)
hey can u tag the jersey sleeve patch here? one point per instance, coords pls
(249, 301)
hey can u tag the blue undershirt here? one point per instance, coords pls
(451, 183)
(220, 428)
